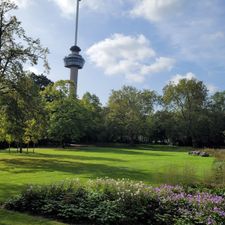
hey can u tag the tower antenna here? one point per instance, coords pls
(77, 21)
(74, 61)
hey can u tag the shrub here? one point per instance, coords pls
(121, 202)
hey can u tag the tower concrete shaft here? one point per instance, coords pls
(74, 79)
(74, 61)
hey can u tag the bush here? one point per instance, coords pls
(121, 202)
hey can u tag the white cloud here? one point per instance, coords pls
(212, 88)
(103, 5)
(131, 56)
(192, 28)
(33, 70)
(67, 7)
(22, 3)
(189, 76)
(161, 64)
(156, 10)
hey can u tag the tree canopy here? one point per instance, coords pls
(33, 108)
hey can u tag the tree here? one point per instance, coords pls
(216, 119)
(2, 126)
(20, 107)
(218, 101)
(34, 130)
(16, 48)
(56, 92)
(66, 115)
(41, 81)
(187, 100)
(157, 127)
(128, 109)
(94, 117)
(18, 94)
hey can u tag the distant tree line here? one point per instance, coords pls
(34, 109)
(185, 114)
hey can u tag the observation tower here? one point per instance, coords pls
(74, 61)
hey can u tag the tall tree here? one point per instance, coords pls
(218, 101)
(94, 117)
(187, 100)
(18, 93)
(128, 109)
(20, 107)
(67, 118)
(216, 119)
(41, 81)
(16, 48)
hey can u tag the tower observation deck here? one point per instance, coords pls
(74, 61)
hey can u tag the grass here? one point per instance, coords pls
(152, 164)
(9, 218)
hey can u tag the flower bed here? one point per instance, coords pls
(120, 202)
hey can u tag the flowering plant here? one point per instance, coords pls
(122, 202)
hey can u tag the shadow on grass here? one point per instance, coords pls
(31, 165)
(112, 150)
(164, 148)
(119, 149)
(73, 157)
(86, 170)
(151, 147)
(8, 190)
(14, 218)
(116, 150)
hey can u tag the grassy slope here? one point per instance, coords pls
(154, 165)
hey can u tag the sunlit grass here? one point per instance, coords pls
(151, 164)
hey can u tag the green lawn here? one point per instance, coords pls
(13, 218)
(151, 164)
(154, 165)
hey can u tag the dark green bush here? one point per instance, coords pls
(121, 202)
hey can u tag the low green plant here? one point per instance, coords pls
(121, 202)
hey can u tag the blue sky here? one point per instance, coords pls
(144, 43)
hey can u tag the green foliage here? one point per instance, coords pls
(128, 109)
(94, 117)
(218, 101)
(122, 202)
(16, 48)
(23, 112)
(187, 100)
(67, 117)
(20, 101)
(66, 121)
(41, 81)
(33, 108)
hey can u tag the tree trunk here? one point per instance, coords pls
(132, 140)
(33, 147)
(27, 147)
(9, 148)
(20, 148)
